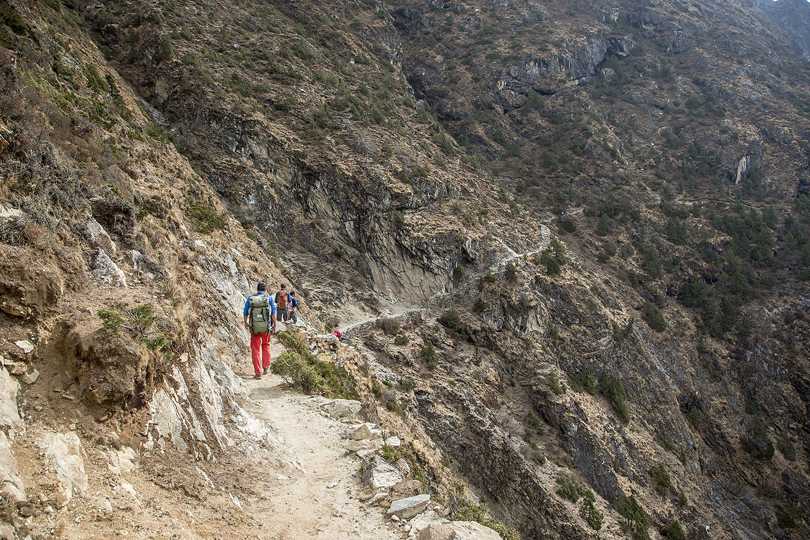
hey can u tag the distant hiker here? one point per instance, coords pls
(337, 333)
(282, 301)
(293, 308)
(260, 318)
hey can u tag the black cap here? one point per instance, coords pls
(261, 287)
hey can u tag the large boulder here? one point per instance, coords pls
(380, 475)
(64, 451)
(457, 530)
(106, 271)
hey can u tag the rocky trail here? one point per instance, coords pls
(512, 255)
(320, 496)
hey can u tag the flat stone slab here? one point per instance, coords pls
(409, 507)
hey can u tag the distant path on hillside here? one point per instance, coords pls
(545, 240)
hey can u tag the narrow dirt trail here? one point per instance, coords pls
(319, 499)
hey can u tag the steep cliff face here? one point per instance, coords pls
(597, 214)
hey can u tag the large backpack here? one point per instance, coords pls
(259, 314)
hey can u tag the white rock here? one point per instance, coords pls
(424, 520)
(98, 237)
(64, 450)
(342, 409)
(381, 475)
(409, 507)
(366, 431)
(106, 271)
(393, 442)
(11, 485)
(123, 460)
(26, 346)
(394, 518)
(457, 530)
(9, 414)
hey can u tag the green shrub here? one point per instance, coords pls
(10, 18)
(653, 317)
(205, 219)
(569, 488)
(635, 519)
(390, 454)
(451, 319)
(302, 370)
(287, 366)
(428, 355)
(584, 380)
(613, 390)
(94, 79)
(590, 513)
(111, 319)
(407, 384)
(674, 531)
(142, 316)
(554, 384)
(660, 479)
(294, 341)
(157, 133)
(553, 258)
(401, 340)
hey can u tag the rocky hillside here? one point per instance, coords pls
(590, 224)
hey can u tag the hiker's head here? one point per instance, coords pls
(261, 287)
(283, 286)
(292, 293)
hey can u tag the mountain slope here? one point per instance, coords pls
(591, 222)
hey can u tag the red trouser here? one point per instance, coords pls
(260, 349)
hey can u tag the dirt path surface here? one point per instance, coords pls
(319, 499)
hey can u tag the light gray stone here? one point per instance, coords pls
(25, 345)
(98, 237)
(9, 414)
(393, 442)
(64, 451)
(122, 461)
(106, 271)
(342, 409)
(409, 507)
(457, 530)
(381, 475)
(11, 485)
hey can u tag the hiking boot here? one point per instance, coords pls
(265, 371)
(257, 376)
